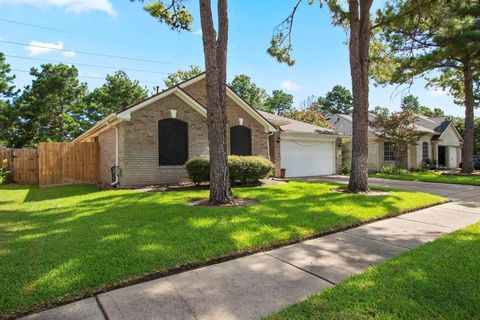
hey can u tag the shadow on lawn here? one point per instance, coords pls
(114, 235)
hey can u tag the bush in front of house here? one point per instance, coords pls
(394, 170)
(4, 173)
(241, 169)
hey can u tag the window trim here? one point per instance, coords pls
(424, 158)
(388, 153)
(250, 140)
(160, 164)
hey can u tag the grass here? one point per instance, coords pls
(64, 242)
(439, 280)
(438, 177)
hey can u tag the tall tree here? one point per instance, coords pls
(444, 36)
(175, 15)
(309, 116)
(279, 102)
(249, 91)
(118, 92)
(8, 115)
(356, 19)
(175, 78)
(337, 100)
(50, 107)
(411, 102)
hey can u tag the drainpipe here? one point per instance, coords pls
(268, 145)
(115, 183)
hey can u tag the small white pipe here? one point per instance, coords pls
(116, 152)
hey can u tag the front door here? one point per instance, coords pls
(442, 156)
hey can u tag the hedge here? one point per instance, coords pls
(241, 169)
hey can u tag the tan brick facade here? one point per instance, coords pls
(138, 139)
(106, 142)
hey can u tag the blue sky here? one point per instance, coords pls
(320, 50)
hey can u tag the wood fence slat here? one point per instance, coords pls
(54, 163)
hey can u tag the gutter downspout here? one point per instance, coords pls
(268, 144)
(115, 183)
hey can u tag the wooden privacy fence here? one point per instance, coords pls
(54, 163)
(22, 164)
(65, 162)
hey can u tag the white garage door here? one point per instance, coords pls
(304, 158)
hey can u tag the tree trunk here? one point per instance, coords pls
(215, 51)
(468, 135)
(358, 50)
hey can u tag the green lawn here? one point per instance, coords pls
(439, 280)
(63, 242)
(432, 177)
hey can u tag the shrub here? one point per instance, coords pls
(4, 173)
(241, 169)
(345, 170)
(394, 170)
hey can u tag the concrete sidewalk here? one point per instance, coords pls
(257, 285)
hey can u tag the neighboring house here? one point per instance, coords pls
(441, 142)
(149, 142)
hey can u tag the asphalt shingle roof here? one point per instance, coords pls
(290, 125)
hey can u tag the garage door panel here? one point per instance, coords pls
(307, 158)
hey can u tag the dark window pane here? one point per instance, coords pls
(424, 151)
(240, 141)
(172, 142)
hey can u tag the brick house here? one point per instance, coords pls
(150, 141)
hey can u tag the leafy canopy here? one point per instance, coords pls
(249, 91)
(175, 78)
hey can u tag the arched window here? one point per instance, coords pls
(240, 141)
(172, 142)
(424, 151)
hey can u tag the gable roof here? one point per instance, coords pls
(347, 128)
(125, 114)
(269, 127)
(294, 126)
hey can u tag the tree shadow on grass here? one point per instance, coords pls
(115, 235)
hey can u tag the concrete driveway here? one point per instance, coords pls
(263, 283)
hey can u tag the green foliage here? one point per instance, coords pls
(417, 37)
(173, 14)
(241, 169)
(249, 91)
(118, 92)
(51, 107)
(279, 102)
(309, 116)
(175, 78)
(50, 236)
(394, 170)
(8, 115)
(380, 111)
(4, 173)
(437, 177)
(411, 102)
(338, 100)
(460, 125)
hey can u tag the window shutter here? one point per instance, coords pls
(172, 142)
(240, 141)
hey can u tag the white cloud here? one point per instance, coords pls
(438, 92)
(37, 47)
(70, 6)
(197, 32)
(69, 54)
(290, 85)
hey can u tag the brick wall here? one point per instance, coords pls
(106, 142)
(234, 113)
